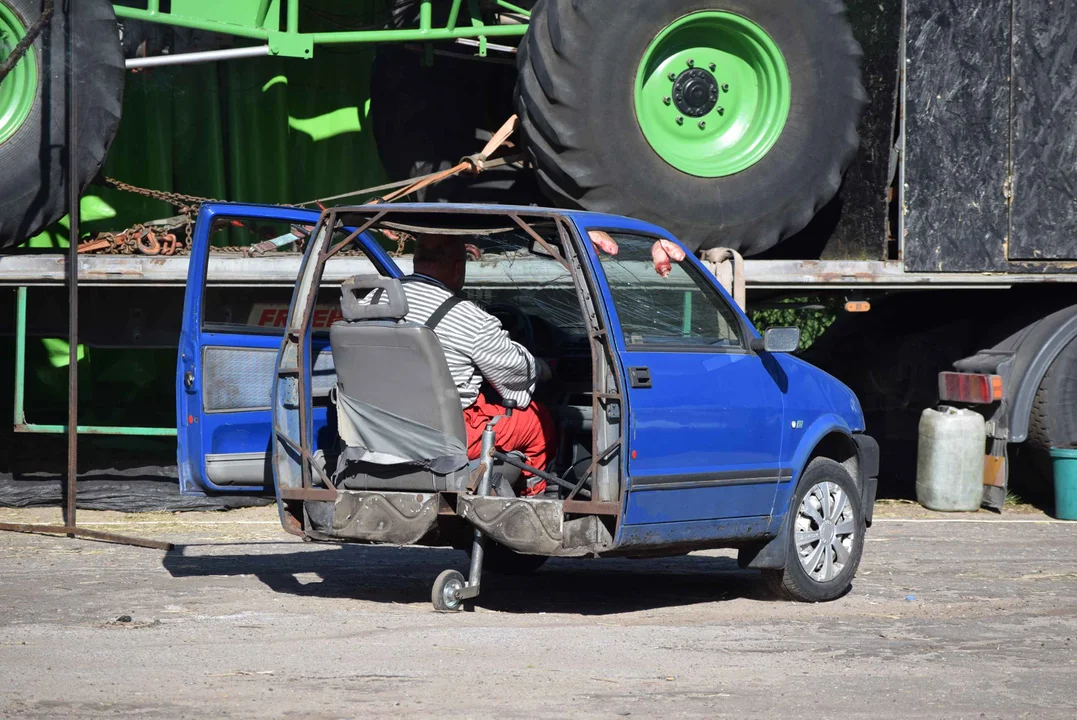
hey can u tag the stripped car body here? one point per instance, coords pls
(686, 431)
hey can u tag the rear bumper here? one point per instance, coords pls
(867, 453)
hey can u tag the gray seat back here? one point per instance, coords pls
(398, 367)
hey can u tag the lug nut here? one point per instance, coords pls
(702, 125)
(691, 62)
(725, 87)
(680, 120)
(666, 100)
(721, 111)
(672, 76)
(713, 67)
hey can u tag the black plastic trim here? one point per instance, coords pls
(719, 479)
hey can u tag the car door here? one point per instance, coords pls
(704, 412)
(230, 337)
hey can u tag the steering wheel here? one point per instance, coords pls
(516, 322)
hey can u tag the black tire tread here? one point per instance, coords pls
(788, 584)
(33, 187)
(572, 174)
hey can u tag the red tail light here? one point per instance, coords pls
(970, 387)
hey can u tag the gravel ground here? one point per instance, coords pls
(951, 616)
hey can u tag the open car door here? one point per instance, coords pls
(230, 338)
(703, 411)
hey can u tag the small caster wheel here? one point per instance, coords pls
(446, 591)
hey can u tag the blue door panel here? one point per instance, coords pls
(704, 413)
(708, 416)
(658, 506)
(224, 380)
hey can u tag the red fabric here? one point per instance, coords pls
(530, 431)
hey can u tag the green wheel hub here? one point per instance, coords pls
(712, 94)
(19, 88)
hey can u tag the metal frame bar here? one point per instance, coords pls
(279, 269)
(22, 426)
(290, 42)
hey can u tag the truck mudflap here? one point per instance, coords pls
(535, 527)
(395, 518)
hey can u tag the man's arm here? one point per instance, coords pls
(505, 364)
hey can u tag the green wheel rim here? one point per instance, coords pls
(19, 88)
(712, 94)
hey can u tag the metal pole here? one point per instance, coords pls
(73, 192)
(70, 527)
(192, 58)
(20, 356)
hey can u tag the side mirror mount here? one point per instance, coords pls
(778, 340)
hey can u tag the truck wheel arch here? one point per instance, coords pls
(1039, 346)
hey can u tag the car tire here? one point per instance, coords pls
(34, 181)
(794, 581)
(602, 137)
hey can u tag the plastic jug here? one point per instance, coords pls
(950, 460)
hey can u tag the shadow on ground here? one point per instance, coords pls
(405, 575)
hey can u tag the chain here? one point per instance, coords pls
(188, 205)
(156, 238)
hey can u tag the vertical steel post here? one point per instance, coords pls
(293, 16)
(73, 192)
(425, 15)
(20, 356)
(454, 14)
(70, 527)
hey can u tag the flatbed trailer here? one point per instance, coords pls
(231, 269)
(956, 220)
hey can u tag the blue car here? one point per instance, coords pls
(681, 427)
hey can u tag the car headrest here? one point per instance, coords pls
(360, 286)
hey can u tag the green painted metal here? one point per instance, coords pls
(752, 105)
(19, 88)
(513, 8)
(454, 15)
(241, 18)
(20, 391)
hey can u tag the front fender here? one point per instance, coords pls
(772, 554)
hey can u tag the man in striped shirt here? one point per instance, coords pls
(477, 348)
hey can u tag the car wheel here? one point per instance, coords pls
(825, 537)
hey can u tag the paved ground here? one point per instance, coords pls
(970, 616)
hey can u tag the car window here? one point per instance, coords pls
(263, 310)
(679, 311)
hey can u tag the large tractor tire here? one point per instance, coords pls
(33, 109)
(425, 119)
(729, 122)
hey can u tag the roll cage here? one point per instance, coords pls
(300, 477)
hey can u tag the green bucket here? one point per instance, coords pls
(1065, 466)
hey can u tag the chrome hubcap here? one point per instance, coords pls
(825, 531)
(451, 593)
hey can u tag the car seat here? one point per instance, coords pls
(394, 384)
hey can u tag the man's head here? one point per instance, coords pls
(442, 257)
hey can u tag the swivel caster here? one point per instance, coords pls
(448, 591)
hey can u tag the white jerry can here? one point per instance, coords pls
(950, 459)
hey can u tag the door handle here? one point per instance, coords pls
(639, 377)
